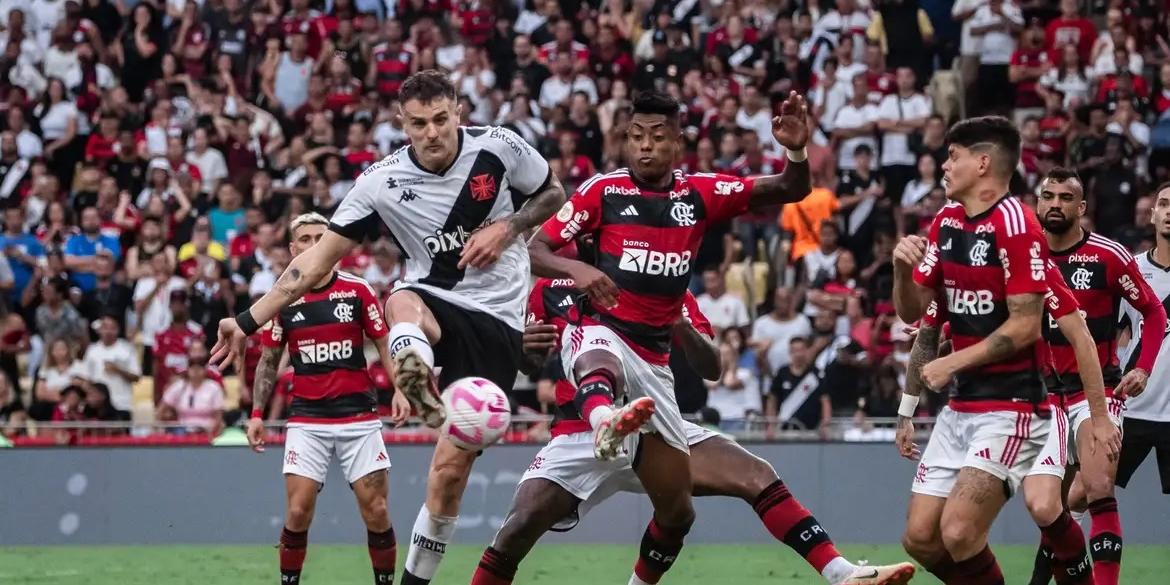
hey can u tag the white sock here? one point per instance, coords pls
(598, 415)
(838, 570)
(428, 543)
(404, 335)
(634, 580)
(1078, 517)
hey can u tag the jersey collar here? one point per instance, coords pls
(1074, 247)
(988, 211)
(644, 186)
(458, 151)
(325, 286)
(1154, 263)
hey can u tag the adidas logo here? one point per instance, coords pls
(630, 211)
(1048, 461)
(985, 453)
(381, 456)
(298, 317)
(567, 302)
(947, 246)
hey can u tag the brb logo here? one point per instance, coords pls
(969, 302)
(683, 214)
(446, 241)
(653, 262)
(320, 353)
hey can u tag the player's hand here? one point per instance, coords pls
(904, 439)
(255, 432)
(399, 409)
(790, 128)
(229, 344)
(597, 285)
(486, 245)
(540, 337)
(910, 251)
(1133, 383)
(937, 374)
(1106, 436)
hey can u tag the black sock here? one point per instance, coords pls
(1042, 568)
(408, 579)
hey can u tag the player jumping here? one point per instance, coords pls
(334, 405)
(566, 480)
(986, 254)
(1101, 273)
(648, 221)
(457, 200)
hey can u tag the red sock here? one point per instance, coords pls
(383, 555)
(943, 568)
(1105, 540)
(981, 569)
(292, 555)
(1070, 565)
(660, 548)
(790, 523)
(594, 390)
(495, 568)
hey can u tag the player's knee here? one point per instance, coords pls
(1096, 487)
(757, 476)
(920, 542)
(959, 536)
(679, 515)
(520, 531)
(375, 511)
(1044, 506)
(298, 517)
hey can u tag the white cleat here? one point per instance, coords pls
(416, 381)
(607, 440)
(898, 574)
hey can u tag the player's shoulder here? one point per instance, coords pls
(718, 183)
(349, 282)
(386, 167)
(1108, 249)
(616, 182)
(498, 140)
(1013, 219)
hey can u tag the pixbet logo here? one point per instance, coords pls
(655, 263)
(446, 241)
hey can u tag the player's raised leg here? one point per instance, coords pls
(413, 333)
(599, 377)
(721, 467)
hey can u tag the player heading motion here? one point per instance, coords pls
(986, 259)
(457, 200)
(334, 405)
(648, 220)
(1102, 274)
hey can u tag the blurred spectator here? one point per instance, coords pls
(840, 360)
(56, 317)
(854, 125)
(996, 25)
(1028, 65)
(929, 177)
(71, 408)
(12, 413)
(901, 118)
(802, 221)
(166, 357)
(1113, 190)
(114, 362)
(557, 90)
(151, 243)
(285, 75)
(61, 369)
(1070, 28)
(725, 311)
(194, 400)
(904, 32)
(819, 265)
(22, 249)
(227, 217)
(861, 193)
(575, 167)
(1088, 150)
(386, 269)
(82, 250)
(210, 161)
(772, 332)
(107, 296)
(736, 395)
(797, 397)
(1139, 235)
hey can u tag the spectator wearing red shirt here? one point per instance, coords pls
(177, 158)
(245, 243)
(1123, 82)
(192, 42)
(564, 43)
(575, 168)
(306, 21)
(241, 150)
(1070, 28)
(344, 90)
(609, 59)
(475, 20)
(1029, 62)
(169, 355)
(1162, 100)
(102, 145)
(358, 153)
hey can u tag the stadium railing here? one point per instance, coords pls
(526, 428)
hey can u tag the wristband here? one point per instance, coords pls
(247, 323)
(908, 406)
(256, 413)
(797, 156)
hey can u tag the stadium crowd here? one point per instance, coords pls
(152, 154)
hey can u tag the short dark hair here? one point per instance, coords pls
(1062, 174)
(1164, 186)
(798, 339)
(863, 149)
(426, 86)
(657, 102)
(996, 132)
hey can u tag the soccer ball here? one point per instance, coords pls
(478, 413)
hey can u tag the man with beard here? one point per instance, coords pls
(1101, 274)
(81, 250)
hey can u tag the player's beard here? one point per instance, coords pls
(1057, 226)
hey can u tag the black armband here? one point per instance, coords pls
(247, 323)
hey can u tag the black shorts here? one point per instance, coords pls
(1139, 438)
(473, 343)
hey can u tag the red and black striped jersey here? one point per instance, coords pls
(392, 65)
(552, 301)
(647, 241)
(975, 263)
(325, 331)
(1101, 273)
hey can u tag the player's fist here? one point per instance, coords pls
(904, 439)
(937, 374)
(255, 432)
(596, 284)
(540, 337)
(790, 128)
(1132, 384)
(910, 251)
(486, 245)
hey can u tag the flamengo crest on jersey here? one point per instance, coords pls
(1154, 403)
(432, 215)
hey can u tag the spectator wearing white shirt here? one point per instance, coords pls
(854, 125)
(557, 89)
(210, 161)
(845, 20)
(153, 297)
(997, 24)
(827, 98)
(724, 311)
(963, 11)
(736, 394)
(1128, 124)
(755, 116)
(28, 144)
(772, 332)
(847, 66)
(113, 362)
(1068, 78)
(899, 117)
(45, 14)
(194, 400)
(1102, 59)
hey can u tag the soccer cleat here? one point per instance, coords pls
(898, 574)
(416, 381)
(626, 420)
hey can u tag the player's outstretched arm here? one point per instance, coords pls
(701, 351)
(589, 280)
(1076, 331)
(1020, 330)
(790, 129)
(261, 391)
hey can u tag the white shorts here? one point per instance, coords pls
(1055, 455)
(641, 378)
(568, 461)
(1078, 414)
(359, 447)
(1002, 443)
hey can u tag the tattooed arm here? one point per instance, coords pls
(924, 351)
(1020, 330)
(302, 273)
(539, 207)
(791, 185)
(265, 380)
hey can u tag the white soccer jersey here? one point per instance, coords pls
(432, 215)
(1154, 403)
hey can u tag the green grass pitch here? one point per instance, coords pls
(548, 565)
